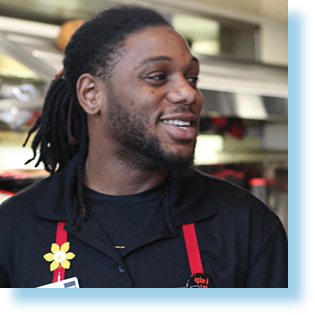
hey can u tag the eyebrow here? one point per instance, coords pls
(152, 60)
(160, 58)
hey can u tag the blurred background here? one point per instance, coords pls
(243, 49)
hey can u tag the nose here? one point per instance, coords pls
(182, 92)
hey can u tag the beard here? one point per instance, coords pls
(141, 149)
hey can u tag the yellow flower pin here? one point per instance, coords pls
(59, 255)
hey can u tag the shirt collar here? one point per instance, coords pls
(57, 202)
(189, 200)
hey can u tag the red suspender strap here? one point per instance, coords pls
(192, 248)
(61, 237)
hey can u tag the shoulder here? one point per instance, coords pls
(221, 190)
(50, 191)
(234, 201)
(240, 216)
(218, 185)
(23, 202)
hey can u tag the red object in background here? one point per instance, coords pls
(259, 181)
(231, 175)
(258, 187)
(4, 192)
(33, 119)
(219, 122)
(13, 174)
(15, 180)
(237, 129)
(233, 126)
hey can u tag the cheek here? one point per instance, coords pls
(197, 107)
(144, 105)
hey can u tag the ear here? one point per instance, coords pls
(90, 92)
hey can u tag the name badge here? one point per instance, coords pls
(199, 280)
(71, 283)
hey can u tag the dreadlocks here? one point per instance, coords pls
(94, 48)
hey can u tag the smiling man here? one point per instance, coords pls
(124, 207)
(151, 123)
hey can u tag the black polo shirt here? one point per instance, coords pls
(242, 243)
(121, 217)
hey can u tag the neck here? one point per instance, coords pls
(115, 177)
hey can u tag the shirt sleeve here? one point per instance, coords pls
(268, 267)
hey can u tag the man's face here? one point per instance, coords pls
(153, 104)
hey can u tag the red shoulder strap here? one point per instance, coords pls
(61, 237)
(190, 237)
(192, 248)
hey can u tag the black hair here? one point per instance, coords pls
(94, 48)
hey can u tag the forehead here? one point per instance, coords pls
(149, 44)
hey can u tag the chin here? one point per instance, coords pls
(181, 173)
(178, 166)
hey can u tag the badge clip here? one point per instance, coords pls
(71, 283)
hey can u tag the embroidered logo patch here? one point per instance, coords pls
(59, 256)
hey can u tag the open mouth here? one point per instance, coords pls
(179, 123)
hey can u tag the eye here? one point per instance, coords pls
(193, 81)
(156, 79)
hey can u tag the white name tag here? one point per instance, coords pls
(71, 283)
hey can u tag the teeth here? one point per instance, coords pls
(182, 124)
